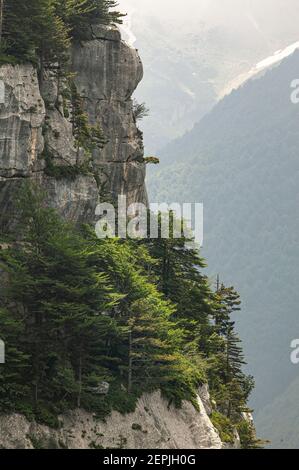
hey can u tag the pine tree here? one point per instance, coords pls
(13, 385)
(65, 302)
(228, 381)
(180, 279)
(151, 341)
(33, 32)
(78, 16)
(228, 302)
(40, 31)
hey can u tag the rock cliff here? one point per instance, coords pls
(153, 425)
(36, 131)
(34, 123)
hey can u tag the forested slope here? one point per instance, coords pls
(95, 324)
(241, 161)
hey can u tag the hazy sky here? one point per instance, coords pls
(207, 10)
(266, 14)
(194, 51)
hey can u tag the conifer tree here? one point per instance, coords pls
(231, 386)
(229, 302)
(78, 16)
(179, 275)
(13, 386)
(40, 31)
(151, 342)
(33, 32)
(65, 301)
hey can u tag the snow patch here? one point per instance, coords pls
(277, 57)
(270, 61)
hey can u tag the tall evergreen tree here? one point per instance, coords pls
(40, 31)
(33, 32)
(78, 16)
(152, 340)
(13, 386)
(231, 386)
(178, 270)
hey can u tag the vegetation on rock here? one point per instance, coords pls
(41, 31)
(140, 315)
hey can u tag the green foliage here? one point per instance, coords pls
(33, 32)
(88, 137)
(151, 342)
(151, 160)
(63, 302)
(136, 314)
(78, 16)
(241, 160)
(140, 110)
(36, 443)
(69, 172)
(178, 271)
(136, 427)
(224, 426)
(248, 437)
(229, 385)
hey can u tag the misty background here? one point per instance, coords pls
(193, 52)
(237, 155)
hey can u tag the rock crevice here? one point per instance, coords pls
(33, 123)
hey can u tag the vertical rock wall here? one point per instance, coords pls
(33, 123)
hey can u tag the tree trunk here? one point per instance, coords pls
(130, 363)
(79, 381)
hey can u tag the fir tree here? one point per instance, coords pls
(33, 32)
(13, 386)
(231, 386)
(78, 16)
(65, 301)
(40, 31)
(151, 343)
(179, 277)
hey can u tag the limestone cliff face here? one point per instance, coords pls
(33, 119)
(153, 425)
(35, 125)
(107, 73)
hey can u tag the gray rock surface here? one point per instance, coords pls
(21, 118)
(153, 425)
(32, 122)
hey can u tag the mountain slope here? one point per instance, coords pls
(241, 161)
(280, 419)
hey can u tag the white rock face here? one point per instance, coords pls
(22, 113)
(153, 425)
